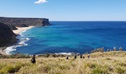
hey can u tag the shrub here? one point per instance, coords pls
(121, 70)
(47, 55)
(99, 71)
(108, 59)
(98, 50)
(8, 69)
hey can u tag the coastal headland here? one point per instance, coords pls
(10, 27)
(17, 21)
(16, 32)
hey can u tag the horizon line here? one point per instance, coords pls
(88, 20)
(62, 20)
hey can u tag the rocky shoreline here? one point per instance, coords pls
(11, 27)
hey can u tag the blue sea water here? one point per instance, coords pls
(78, 37)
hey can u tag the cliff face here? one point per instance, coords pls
(12, 27)
(27, 21)
(7, 37)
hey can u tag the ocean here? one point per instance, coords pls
(75, 37)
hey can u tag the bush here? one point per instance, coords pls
(47, 55)
(15, 56)
(11, 68)
(99, 71)
(121, 70)
(7, 69)
(98, 50)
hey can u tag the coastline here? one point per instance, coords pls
(17, 32)
(21, 29)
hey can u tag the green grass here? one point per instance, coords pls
(99, 63)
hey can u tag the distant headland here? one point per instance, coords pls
(16, 21)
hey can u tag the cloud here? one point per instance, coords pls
(40, 1)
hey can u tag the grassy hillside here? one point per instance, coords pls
(98, 63)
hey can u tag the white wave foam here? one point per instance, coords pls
(10, 49)
(63, 53)
(68, 54)
(22, 42)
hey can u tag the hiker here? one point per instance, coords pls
(108, 50)
(114, 48)
(120, 49)
(33, 59)
(75, 56)
(81, 56)
(67, 58)
(88, 56)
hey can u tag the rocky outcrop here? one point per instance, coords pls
(23, 25)
(27, 21)
(45, 22)
(12, 27)
(7, 37)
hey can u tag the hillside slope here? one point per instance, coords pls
(7, 36)
(110, 63)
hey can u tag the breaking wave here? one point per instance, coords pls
(21, 42)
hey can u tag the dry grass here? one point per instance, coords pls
(99, 63)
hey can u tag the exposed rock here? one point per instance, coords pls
(27, 21)
(23, 25)
(12, 27)
(7, 37)
(45, 22)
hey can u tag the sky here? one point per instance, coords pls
(66, 10)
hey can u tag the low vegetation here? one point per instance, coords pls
(14, 56)
(98, 63)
